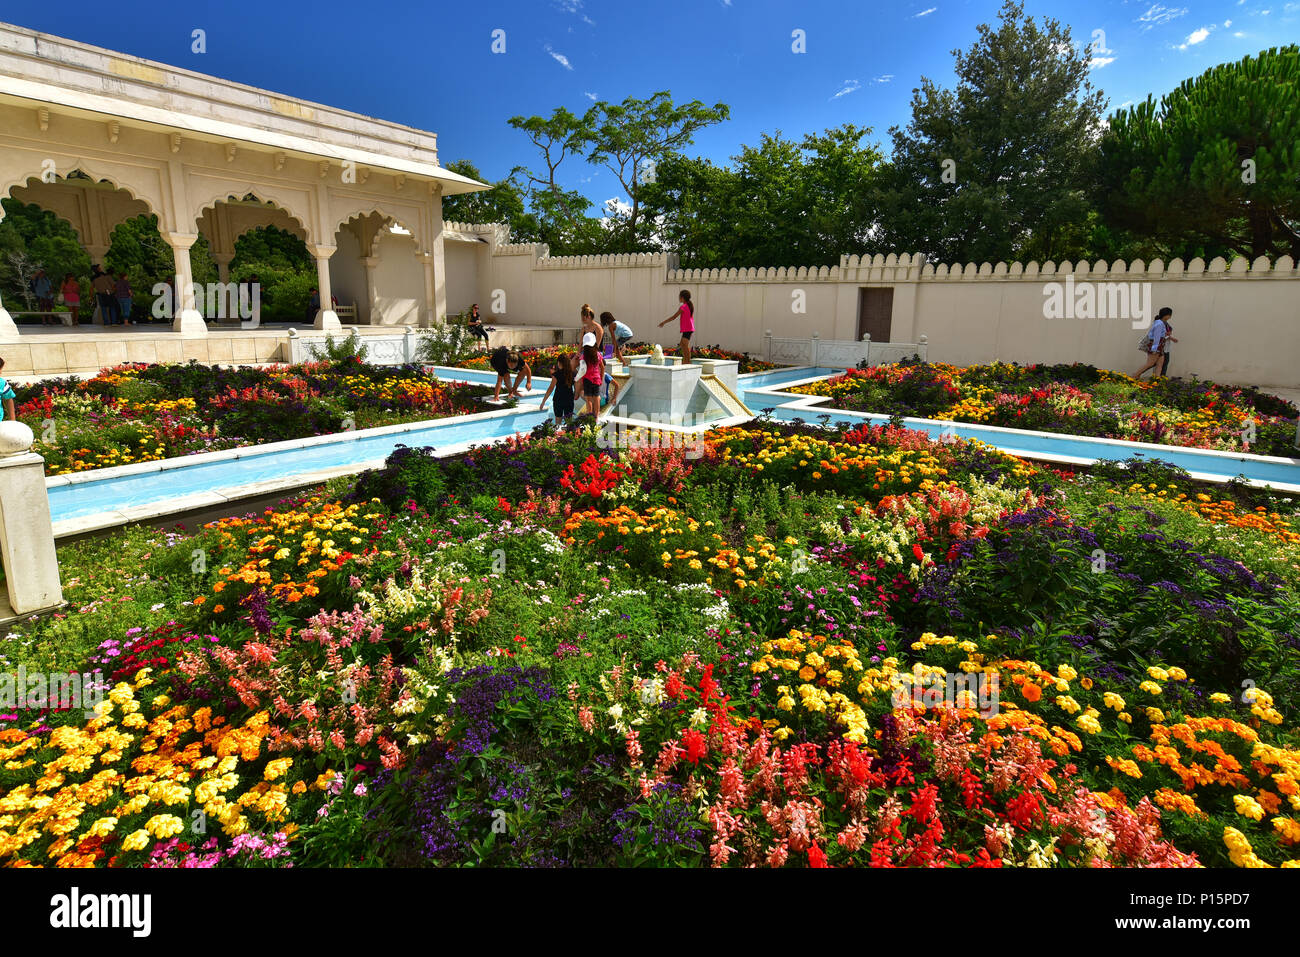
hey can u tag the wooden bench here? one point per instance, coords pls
(346, 312)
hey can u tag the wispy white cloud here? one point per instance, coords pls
(924, 13)
(1158, 14)
(559, 58)
(883, 78)
(574, 7)
(850, 86)
(1097, 51)
(590, 96)
(1196, 36)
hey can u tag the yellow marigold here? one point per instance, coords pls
(136, 841)
(1239, 849)
(164, 825)
(1066, 703)
(1150, 687)
(1124, 766)
(102, 827)
(1247, 806)
(276, 768)
(1287, 828)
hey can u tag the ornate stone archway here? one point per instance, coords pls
(182, 143)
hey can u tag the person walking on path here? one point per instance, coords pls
(44, 294)
(619, 332)
(71, 292)
(1169, 337)
(6, 397)
(590, 373)
(122, 292)
(686, 313)
(1155, 343)
(562, 385)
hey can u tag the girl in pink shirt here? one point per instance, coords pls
(686, 313)
(590, 373)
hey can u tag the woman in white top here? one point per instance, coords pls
(1156, 349)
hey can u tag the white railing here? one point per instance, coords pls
(840, 353)
(384, 349)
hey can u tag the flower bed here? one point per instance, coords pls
(801, 648)
(141, 413)
(1074, 399)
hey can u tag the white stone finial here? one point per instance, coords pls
(657, 356)
(15, 438)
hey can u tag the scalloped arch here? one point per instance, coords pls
(287, 202)
(294, 222)
(136, 191)
(371, 209)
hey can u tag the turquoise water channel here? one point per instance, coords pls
(260, 464)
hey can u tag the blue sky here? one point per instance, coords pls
(430, 64)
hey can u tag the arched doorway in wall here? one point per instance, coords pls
(58, 227)
(380, 265)
(260, 246)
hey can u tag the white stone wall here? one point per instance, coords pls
(399, 283)
(463, 276)
(1236, 324)
(347, 275)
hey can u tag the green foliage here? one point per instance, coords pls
(342, 351)
(44, 239)
(1020, 127)
(1180, 171)
(629, 139)
(448, 343)
(821, 191)
(503, 203)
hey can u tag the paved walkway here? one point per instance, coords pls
(1291, 395)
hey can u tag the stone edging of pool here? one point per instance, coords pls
(784, 401)
(205, 500)
(795, 402)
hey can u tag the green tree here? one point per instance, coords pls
(285, 271)
(688, 201)
(503, 203)
(1001, 162)
(44, 239)
(781, 203)
(1214, 168)
(632, 138)
(561, 214)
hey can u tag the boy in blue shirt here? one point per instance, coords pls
(6, 397)
(619, 332)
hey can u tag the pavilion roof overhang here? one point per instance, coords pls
(41, 70)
